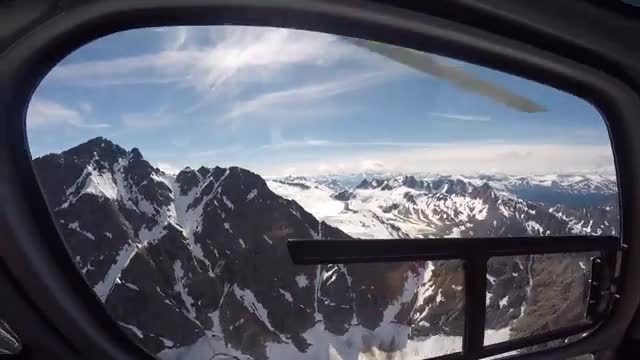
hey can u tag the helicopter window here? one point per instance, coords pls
(182, 163)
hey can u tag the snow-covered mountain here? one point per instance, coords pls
(409, 206)
(195, 265)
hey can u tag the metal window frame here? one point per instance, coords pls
(332, 251)
(33, 255)
(475, 253)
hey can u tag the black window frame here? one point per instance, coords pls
(35, 263)
(475, 254)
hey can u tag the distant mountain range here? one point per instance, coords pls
(195, 265)
(442, 206)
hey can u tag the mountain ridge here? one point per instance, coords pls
(406, 206)
(206, 250)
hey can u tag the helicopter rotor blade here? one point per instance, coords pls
(428, 64)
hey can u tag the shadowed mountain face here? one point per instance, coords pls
(195, 265)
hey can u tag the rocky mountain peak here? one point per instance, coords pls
(372, 183)
(135, 154)
(96, 148)
(484, 191)
(187, 179)
(204, 171)
(206, 248)
(411, 182)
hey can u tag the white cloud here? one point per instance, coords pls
(152, 67)
(371, 165)
(220, 61)
(462, 158)
(129, 80)
(302, 95)
(177, 38)
(168, 168)
(42, 112)
(241, 52)
(246, 49)
(462, 117)
(316, 157)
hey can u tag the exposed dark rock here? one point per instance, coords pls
(204, 253)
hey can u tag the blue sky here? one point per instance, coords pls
(281, 101)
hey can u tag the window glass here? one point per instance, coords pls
(177, 162)
(533, 294)
(392, 310)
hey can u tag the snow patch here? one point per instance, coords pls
(491, 279)
(137, 331)
(361, 343)
(227, 202)
(286, 294)
(182, 289)
(492, 336)
(129, 285)
(534, 228)
(250, 302)
(103, 288)
(267, 239)
(504, 301)
(302, 280)
(95, 182)
(75, 226)
(252, 194)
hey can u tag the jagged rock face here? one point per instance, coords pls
(486, 206)
(546, 311)
(507, 284)
(200, 257)
(203, 255)
(573, 191)
(406, 206)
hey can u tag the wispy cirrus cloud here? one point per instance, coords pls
(151, 68)
(302, 96)
(461, 117)
(239, 53)
(44, 113)
(229, 60)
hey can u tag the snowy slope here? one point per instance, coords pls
(317, 199)
(206, 248)
(184, 246)
(406, 206)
